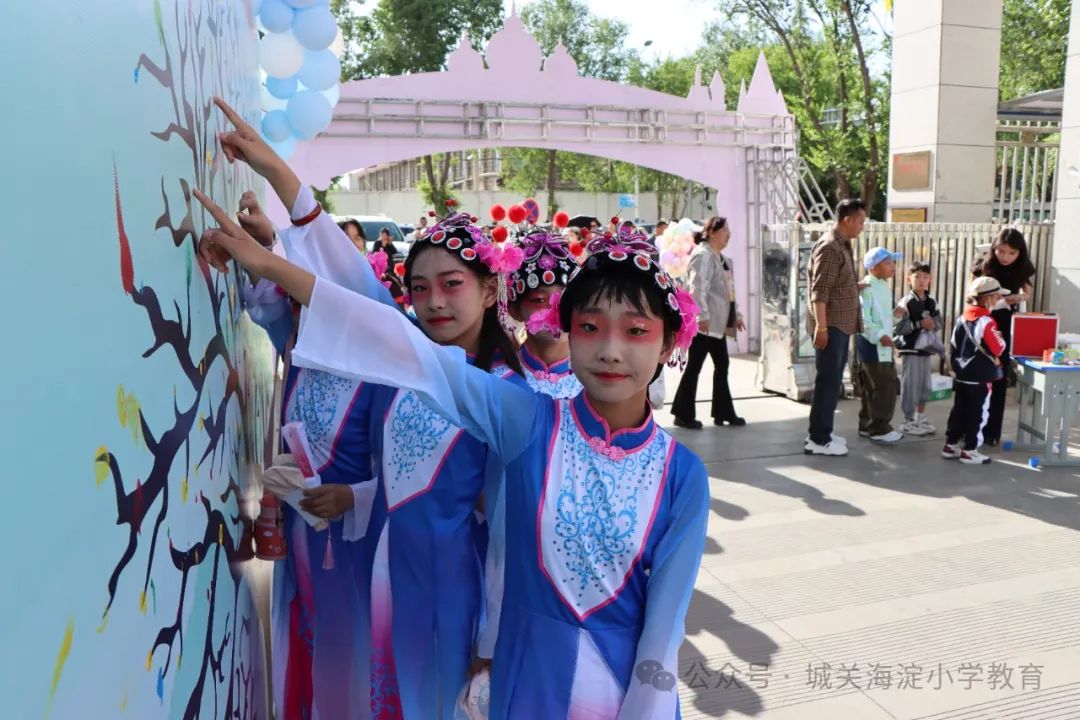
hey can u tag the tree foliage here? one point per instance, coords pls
(1034, 45)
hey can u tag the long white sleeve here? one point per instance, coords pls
(671, 585)
(321, 248)
(356, 519)
(350, 335)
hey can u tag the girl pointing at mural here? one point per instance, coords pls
(433, 474)
(613, 510)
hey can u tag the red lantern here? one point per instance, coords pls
(561, 219)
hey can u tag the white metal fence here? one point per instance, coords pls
(1027, 165)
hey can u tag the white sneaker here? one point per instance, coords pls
(973, 457)
(916, 429)
(926, 426)
(888, 438)
(833, 438)
(833, 449)
(951, 452)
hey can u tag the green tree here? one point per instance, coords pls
(410, 36)
(1034, 45)
(830, 47)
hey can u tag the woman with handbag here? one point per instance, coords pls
(711, 282)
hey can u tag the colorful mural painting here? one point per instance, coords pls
(137, 391)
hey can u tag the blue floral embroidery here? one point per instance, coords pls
(317, 399)
(416, 430)
(565, 387)
(597, 509)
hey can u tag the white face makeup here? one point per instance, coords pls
(614, 350)
(449, 299)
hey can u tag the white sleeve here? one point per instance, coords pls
(353, 336)
(357, 517)
(325, 251)
(494, 577)
(671, 585)
(698, 277)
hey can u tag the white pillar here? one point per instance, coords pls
(944, 101)
(1065, 292)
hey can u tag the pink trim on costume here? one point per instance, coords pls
(545, 373)
(645, 538)
(341, 427)
(608, 436)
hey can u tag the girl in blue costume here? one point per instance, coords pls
(426, 591)
(597, 589)
(546, 266)
(321, 625)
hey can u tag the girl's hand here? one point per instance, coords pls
(1014, 299)
(254, 220)
(217, 245)
(245, 144)
(328, 501)
(740, 326)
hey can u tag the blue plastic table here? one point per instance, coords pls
(1050, 395)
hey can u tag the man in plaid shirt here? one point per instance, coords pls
(834, 300)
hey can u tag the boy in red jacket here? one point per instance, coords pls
(976, 346)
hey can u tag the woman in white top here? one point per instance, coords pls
(712, 284)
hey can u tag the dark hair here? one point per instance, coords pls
(917, 267)
(661, 221)
(494, 340)
(359, 228)
(1015, 275)
(384, 230)
(711, 225)
(847, 208)
(604, 279)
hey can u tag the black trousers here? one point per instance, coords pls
(723, 408)
(827, 385)
(971, 406)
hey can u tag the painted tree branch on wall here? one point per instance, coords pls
(199, 62)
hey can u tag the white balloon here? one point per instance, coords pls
(280, 54)
(269, 102)
(338, 46)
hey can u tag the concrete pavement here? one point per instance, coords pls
(887, 584)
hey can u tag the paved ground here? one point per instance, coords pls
(887, 584)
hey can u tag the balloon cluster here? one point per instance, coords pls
(299, 53)
(675, 246)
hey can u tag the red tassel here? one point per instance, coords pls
(328, 556)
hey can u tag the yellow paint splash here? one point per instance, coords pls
(183, 489)
(201, 422)
(221, 535)
(142, 602)
(179, 661)
(149, 659)
(61, 658)
(101, 465)
(104, 622)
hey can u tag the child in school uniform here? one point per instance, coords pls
(877, 370)
(977, 346)
(920, 315)
(612, 509)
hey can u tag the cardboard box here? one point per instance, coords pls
(940, 387)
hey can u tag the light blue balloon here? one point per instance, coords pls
(320, 71)
(281, 88)
(276, 16)
(309, 114)
(275, 126)
(333, 95)
(284, 149)
(315, 28)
